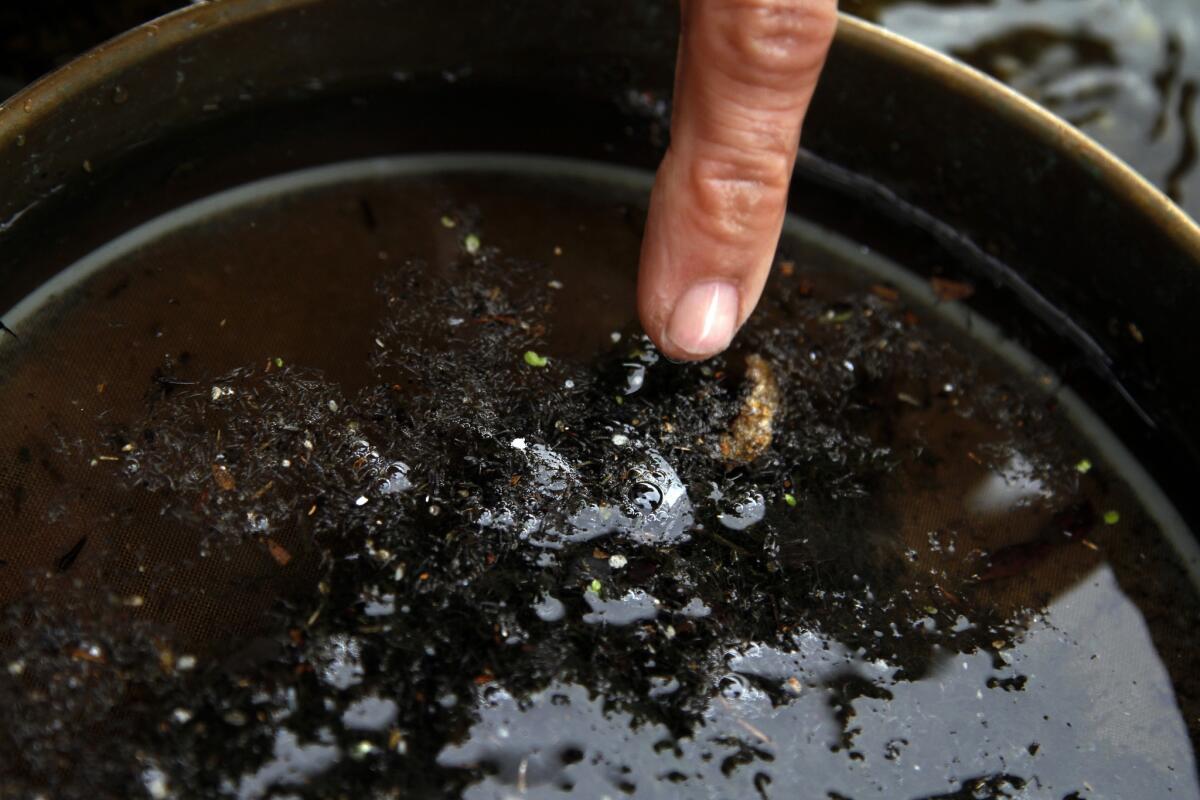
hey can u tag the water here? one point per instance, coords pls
(1125, 72)
(288, 510)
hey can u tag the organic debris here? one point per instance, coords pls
(750, 434)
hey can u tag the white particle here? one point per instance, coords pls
(287, 462)
(185, 663)
(216, 393)
(156, 783)
(15, 668)
(568, 383)
(617, 561)
(308, 445)
(615, 336)
(555, 284)
(333, 406)
(620, 439)
(454, 322)
(518, 444)
(361, 501)
(181, 716)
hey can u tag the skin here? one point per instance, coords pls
(745, 75)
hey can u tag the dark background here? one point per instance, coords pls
(38, 35)
(1126, 72)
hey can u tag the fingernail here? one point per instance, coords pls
(704, 319)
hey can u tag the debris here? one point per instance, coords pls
(68, 558)
(535, 360)
(886, 293)
(750, 434)
(949, 290)
(278, 552)
(224, 478)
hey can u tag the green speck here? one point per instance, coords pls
(1083, 467)
(448, 221)
(594, 587)
(790, 499)
(278, 362)
(838, 316)
(534, 360)
(620, 400)
(472, 243)
(1111, 517)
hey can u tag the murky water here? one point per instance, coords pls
(1124, 71)
(362, 481)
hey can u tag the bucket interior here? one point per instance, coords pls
(363, 478)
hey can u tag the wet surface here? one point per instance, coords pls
(1125, 71)
(344, 495)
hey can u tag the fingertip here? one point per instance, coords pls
(747, 70)
(703, 321)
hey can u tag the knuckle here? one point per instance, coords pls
(779, 40)
(740, 197)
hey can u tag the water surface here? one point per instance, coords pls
(343, 493)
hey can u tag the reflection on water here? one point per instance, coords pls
(1125, 71)
(395, 555)
(970, 726)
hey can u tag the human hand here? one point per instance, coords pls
(745, 75)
